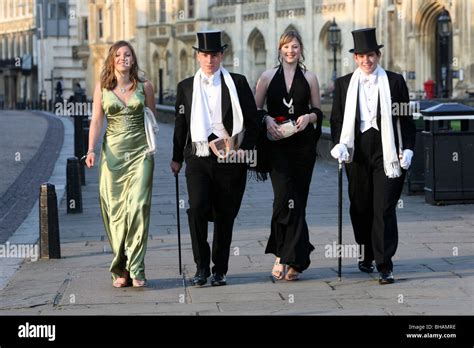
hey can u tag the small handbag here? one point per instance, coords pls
(287, 127)
(222, 147)
(151, 131)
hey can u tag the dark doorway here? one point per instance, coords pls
(444, 55)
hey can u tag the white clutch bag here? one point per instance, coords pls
(287, 128)
(151, 130)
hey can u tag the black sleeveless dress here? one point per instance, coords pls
(292, 161)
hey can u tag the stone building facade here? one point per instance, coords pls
(164, 31)
(43, 47)
(18, 71)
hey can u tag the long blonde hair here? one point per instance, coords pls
(286, 38)
(107, 77)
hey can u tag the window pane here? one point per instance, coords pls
(100, 24)
(191, 8)
(162, 11)
(52, 11)
(86, 29)
(153, 11)
(62, 11)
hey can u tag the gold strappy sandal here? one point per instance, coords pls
(278, 273)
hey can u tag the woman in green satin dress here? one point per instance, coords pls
(126, 172)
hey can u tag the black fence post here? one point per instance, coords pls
(50, 247)
(79, 143)
(160, 86)
(85, 142)
(73, 186)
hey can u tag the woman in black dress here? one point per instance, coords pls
(291, 92)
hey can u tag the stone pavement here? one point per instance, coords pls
(434, 265)
(20, 199)
(30, 144)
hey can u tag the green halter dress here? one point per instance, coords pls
(126, 180)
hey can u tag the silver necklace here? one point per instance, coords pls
(122, 89)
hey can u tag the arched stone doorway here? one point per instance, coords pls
(170, 72)
(257, 57)
(183, 65)
(155, 71)
(228, 53)
(428, 64)
(444, 55)
(325, 56)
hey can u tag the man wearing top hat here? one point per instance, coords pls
(366, 126)
(213, 104)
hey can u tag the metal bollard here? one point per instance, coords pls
(79, 143)
(85, 134)
(50, 247)
(73, 186)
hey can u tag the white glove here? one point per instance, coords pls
(340, 153)
(406, 159)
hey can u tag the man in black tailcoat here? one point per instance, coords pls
(213, 105)
(375, 136)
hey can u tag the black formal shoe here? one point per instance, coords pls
(366, 266)
(386, 277)
(200, 278)
(218, 279)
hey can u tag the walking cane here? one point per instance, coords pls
(179, 225)
(339, 221)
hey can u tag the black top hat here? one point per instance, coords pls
(210, 41)
(364, 41)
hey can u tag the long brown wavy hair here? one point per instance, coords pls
(287, 37)
(107, 77)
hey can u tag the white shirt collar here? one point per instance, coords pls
(215, 78)
(372, 78)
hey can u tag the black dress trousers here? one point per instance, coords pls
(373, 200)
(215, 193)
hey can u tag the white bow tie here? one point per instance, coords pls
(209, 80)
(368, 79)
